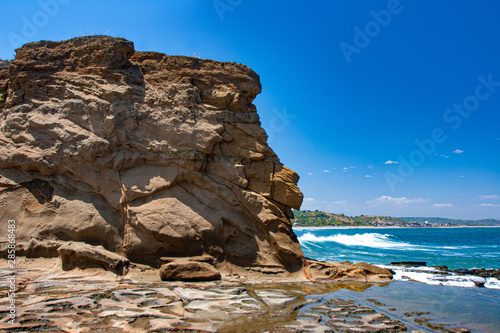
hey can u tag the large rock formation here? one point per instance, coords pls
(144, 154)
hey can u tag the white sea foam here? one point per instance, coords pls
(374, 240)
(431, 275)
(492, 283)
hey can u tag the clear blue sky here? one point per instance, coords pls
(348, 88)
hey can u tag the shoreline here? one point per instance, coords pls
(456, 256)
(83, 300)
(394, 227)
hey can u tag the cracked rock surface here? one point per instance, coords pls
(144, 154)
(94, 300)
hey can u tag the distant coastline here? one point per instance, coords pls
(396, 227)
(308, 218)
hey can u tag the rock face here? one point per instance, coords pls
(144, 154)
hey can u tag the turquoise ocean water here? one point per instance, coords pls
(452, 300)
(452, 247)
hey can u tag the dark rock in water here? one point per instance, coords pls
(482, 272)
(144, 154)
(186, 270)
(409, 263)
(480, 284)
(441, 268)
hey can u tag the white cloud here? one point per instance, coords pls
(388, 200)
(326, 171)
(368, 176)
(462, 176)
(309, 199)
(391, 162)
(458, 151)
(310, 173)
(347, 168)
(370, 166)
(488, 205)
(443, 205)
(486, 197)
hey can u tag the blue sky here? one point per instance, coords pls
(382, 107)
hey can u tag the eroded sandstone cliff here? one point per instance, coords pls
(145, 154)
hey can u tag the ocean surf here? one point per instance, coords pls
(453, 248)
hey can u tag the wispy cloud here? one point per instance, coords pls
(488, 197)
(326, 171)
(368, 176)
(310, 173)
(458, 151)
(345, 169)
(391, 162)
(388, 200)
(488, 205)
(444, 205)
(309, 199)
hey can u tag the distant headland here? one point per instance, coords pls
(308, 218)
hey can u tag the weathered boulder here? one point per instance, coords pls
(188, 270)
(145, 154)
(75, 254)
(347, 271)
(363, 272)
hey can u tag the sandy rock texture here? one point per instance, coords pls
(93, 300)
(141, 154)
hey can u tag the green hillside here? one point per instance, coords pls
(322, 219)
(308, 218)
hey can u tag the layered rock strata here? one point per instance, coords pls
(143, 154)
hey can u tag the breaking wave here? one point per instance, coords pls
(374, 240)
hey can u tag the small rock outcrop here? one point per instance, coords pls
(144, 154)
(187, 270)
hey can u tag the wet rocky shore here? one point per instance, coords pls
(93, 300)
